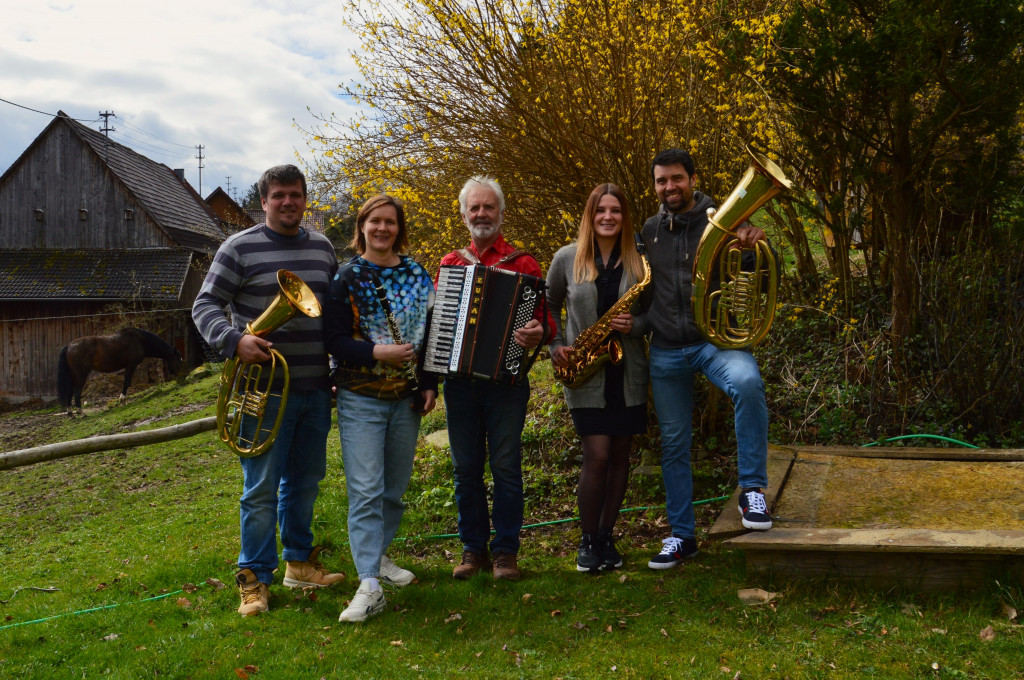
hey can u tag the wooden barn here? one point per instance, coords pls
(232, 216)
(95, 237)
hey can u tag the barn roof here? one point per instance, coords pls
(169, 200)
(149, 274)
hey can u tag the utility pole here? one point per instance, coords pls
(106, 129)
(200, 157)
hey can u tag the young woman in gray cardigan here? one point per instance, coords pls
(587, 278)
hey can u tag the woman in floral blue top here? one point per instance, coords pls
(375, 324)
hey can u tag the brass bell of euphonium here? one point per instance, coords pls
(740, 313)
(242, 394)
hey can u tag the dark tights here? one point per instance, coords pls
(603, 480)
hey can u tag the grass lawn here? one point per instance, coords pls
(140, 545)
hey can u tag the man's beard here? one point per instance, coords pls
(484, 230)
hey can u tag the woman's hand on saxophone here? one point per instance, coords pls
(622, 323)
(395, 355)
(560, 356)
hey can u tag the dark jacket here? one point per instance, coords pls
(671, 242)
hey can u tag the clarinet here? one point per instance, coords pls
(409, 367)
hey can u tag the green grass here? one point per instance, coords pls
(117, 529)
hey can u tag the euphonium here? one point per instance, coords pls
(738, 314)
(240, 390)
(596, 345)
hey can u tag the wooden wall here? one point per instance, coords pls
(83, 183)
(32, 335)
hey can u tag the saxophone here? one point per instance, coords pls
(595, 345)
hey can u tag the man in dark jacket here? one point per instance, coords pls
(679, 351)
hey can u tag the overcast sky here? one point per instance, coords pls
(232, 75)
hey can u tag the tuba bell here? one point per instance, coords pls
(740, 313)
(241, 391)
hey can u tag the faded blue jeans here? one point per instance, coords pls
(280, 486)
(735, 372)
(485, 425)
(378, 446)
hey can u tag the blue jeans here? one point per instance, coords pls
(280, 485)
(485, 424)
(735, 372)
(378, 446)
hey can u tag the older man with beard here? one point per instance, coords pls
(485, 419)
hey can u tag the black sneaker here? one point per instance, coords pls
(610, 557)
(673, 551)
(587, 558)
(754, 510)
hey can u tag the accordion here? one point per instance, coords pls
(476, 311)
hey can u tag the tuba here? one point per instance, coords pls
(241, 393)
(740, 313)
(596, 345)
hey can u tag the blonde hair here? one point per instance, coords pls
(584, 268)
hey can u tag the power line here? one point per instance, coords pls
(45, 113)
(150, 134)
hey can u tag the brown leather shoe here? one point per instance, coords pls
(310, 574)
(255, 595)
(506, 567)
(472, 563)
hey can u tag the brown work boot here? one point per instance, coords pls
(506, 567)
(255, 595)
(310, 574)
(472, 563)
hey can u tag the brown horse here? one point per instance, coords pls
(106, 353)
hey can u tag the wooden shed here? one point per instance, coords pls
(95, 237)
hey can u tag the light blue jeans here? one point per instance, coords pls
(378, 446)
(735, 372)
(280, 486)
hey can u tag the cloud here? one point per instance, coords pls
(232, 75)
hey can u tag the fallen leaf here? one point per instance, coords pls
(1008, 611)
(241, 674)
(190, 587)
(940, 631)
(556, 612)
(579, 625)
(726, 669)
(664, 633)
(623, 578)
(184, 602)
(396, 643)
(454, 617)
(215, 583)
(910, 609)
(112, 636)
(755, 596)
(478, 654)
(607, 629)
(251, 668)
(987, 633)
(527, 596)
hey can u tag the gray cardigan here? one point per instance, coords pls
(580, 301)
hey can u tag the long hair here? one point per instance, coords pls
(358, 243)
(584, 268)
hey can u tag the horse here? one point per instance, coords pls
(107, 353)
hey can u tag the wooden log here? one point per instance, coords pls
(947, 542)
(39, 454)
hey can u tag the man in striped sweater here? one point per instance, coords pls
(280, 485)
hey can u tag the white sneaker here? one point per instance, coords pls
(365, 604)
(394, 575)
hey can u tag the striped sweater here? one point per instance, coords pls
(243, 279)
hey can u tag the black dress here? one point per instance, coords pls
(615, 419)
